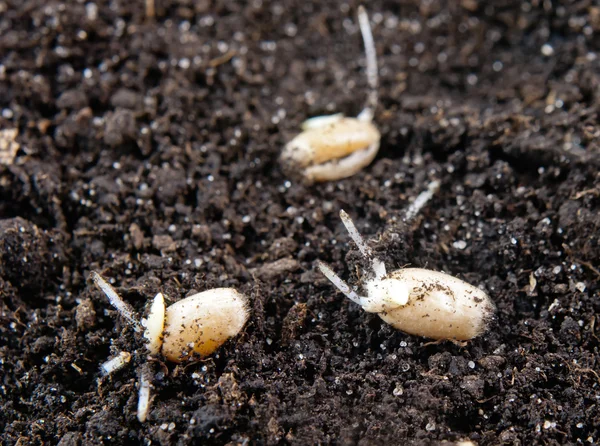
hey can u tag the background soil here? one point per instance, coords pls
(148, 152)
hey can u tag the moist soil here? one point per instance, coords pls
(147, 150)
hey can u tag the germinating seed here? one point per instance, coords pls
(334, 147)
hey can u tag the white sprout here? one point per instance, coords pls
(421, 200)
(379, 289)
(116, 301)
(199, 323)
(372, 75)
(393, 294)
(144, 394)
(123, 358)
(418, 301)
(340, 284)
(377, 265)
(334, 147)
(115, 363)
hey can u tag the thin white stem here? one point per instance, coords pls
(372, 71)
(377, 265)
(421, 200)
(116, 301)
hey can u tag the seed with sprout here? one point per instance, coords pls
(415, 300)
(197, 324)
(194, 326)
(334, 147)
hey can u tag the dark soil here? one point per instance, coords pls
(148, 152)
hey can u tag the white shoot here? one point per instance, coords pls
(355, 235)
(116, 301)
(421, 200)
(115, 363)
(340, 284)
(371, 54)
(144, 395)
(367, 303)
(377, 265)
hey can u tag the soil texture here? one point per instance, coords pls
(146, 148)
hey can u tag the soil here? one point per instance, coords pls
(147, 150)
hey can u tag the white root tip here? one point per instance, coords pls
(144, 395)
(377, 265)
(421, 200)
(372, 72)
(115, 363)
(116, 301)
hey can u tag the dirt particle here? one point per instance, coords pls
(85, 315)
(474, 385)
(8, 146)
(30, 258)
(293, 323)
(276, 269)
(492, 362)
(74, 99)
(164, 243)
(126, 98)
(70, 439)
(120, 127)
(137, 236)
